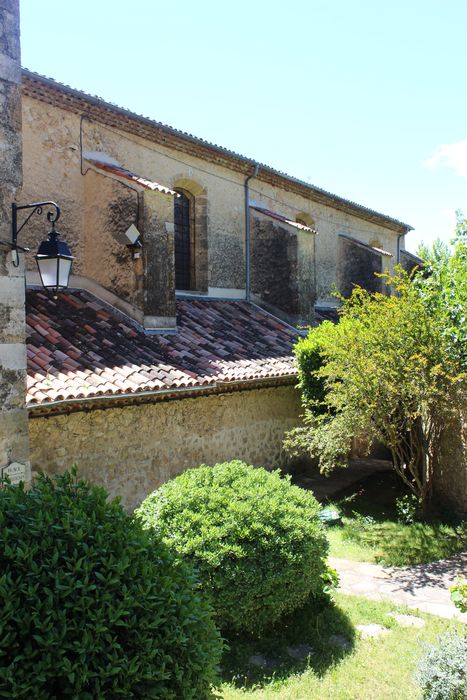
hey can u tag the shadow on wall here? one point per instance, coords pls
(358, 264)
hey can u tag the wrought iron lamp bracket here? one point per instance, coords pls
(37, 208)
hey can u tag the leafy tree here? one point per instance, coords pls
(392, 372)
(443, 289)
(438, 252)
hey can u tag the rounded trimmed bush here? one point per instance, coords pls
(255, 540)
(91, 606)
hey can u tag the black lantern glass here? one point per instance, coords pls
(54, 261)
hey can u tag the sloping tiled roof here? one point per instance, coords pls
(80, 348)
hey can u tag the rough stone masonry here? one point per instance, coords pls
(14, 441)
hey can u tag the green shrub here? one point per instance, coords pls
(407, 508)
(255, 540)
(442, 672)
(92, 606)
(309, 360)
(459, 593)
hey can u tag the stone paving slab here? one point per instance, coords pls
(372, 631)
(407, 620)
(424, 587)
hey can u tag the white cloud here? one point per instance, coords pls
(452, 155)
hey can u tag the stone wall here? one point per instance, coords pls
(14, 449)
(274, 265)
(159, 261)
(306, 279)
(132, 450)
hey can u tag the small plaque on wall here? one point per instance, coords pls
(15, 471)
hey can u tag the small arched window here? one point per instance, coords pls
(184, 241)
(305, 220)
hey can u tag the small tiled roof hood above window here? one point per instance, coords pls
(102, 161)
(279, 217)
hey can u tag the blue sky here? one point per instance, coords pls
(365, 99)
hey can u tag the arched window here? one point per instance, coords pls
(305, 220)
(184, 241)
(190, 235)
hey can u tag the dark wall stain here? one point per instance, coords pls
(274, 271)
(11, 389)
(121, 213)
(358, 265)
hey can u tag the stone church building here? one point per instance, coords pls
(195, 269)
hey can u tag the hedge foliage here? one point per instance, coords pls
(255, 540)
(309, 360)
(92, 606)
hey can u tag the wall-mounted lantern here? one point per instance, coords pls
(54, 258)
(134, 244)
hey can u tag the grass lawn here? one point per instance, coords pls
(370, 530)
(370, 669)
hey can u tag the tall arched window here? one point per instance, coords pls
(184, 242)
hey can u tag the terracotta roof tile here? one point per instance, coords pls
(78, 347)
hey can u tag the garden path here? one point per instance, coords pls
(424, 586)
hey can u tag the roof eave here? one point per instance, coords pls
(66, 406)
